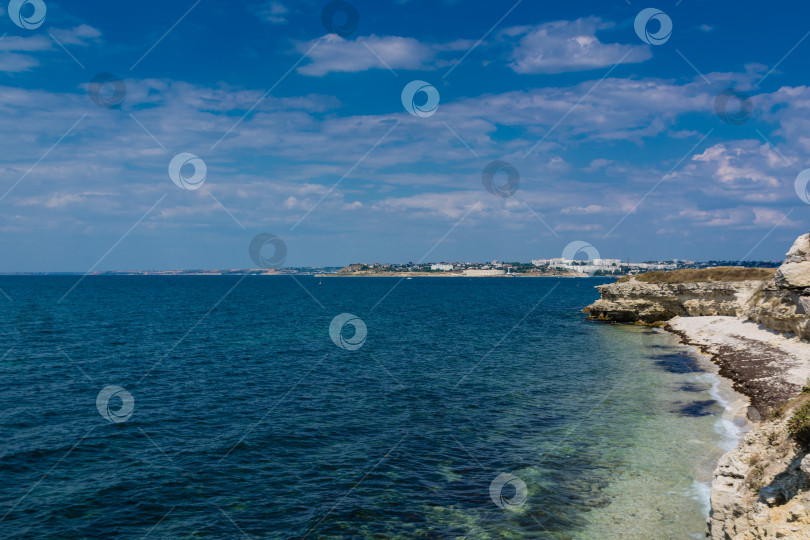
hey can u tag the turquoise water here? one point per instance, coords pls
(249, 419)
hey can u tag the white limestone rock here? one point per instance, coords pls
(793, 275)
(800, 250)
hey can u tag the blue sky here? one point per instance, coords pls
(303, 133)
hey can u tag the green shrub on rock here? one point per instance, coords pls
(799, 425)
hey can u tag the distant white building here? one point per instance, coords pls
(606, 262)
(581, 267)
(441, 266)
(552, 262)
(595, 265)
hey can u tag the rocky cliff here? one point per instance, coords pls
(781, 303)
(636, 301)
(761, 489)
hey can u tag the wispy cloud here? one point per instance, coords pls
(563, 46)
(81, 35)
(273, 12)
(336, 54)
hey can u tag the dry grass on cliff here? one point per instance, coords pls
(719, 273)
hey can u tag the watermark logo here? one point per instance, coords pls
(736, 115)
(28, 14)
(106, 404)
(429, 107)
(107, 91)
(258, 250)
(739, 418)
(801, 185)
(512, 178)
(340, 17)
(353, 342)
(642, 26)
(508, 491)
(578, 246)
(184, 159)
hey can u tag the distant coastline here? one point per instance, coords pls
(537, 268)
(291, 272)
(455, 275)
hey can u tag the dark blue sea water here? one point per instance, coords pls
(249, 420)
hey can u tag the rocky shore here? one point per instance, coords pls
(756, 331)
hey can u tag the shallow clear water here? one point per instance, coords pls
(249, 419)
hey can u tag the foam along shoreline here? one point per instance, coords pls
(752, 326)
(768, 367)
(759, 489)
(730, 428)
(736, 352)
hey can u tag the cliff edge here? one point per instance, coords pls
(760, 490)
(780, 301)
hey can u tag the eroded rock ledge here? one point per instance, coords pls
(781, 303)
(635, 301)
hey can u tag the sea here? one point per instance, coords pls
(346, 407)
